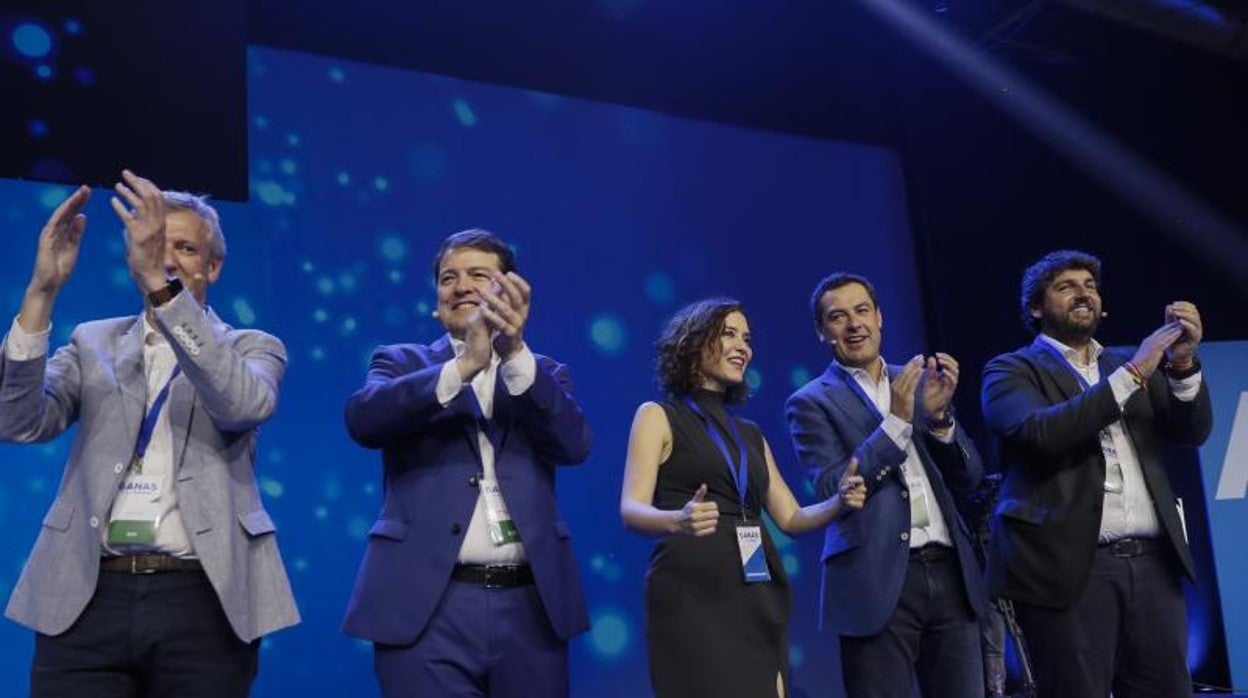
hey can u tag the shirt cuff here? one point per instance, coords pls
(21, 345)
(519, 371)
(1123, 384)
(946, 436)
(1185, 389)
(449, 383)
(899, 431)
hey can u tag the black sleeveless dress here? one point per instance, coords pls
(710, 633)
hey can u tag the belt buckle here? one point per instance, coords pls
(492, 577)
(1127, 547)
(135, 569)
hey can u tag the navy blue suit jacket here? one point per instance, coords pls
(431, 465)
(866, 552)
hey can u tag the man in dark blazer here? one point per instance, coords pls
(1087, 540)
(901, 585)
(469, 586)
(156, 569)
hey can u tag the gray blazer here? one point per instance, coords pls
(227, 389)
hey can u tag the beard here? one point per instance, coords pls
(1068, 330)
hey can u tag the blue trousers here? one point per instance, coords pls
(479, 642)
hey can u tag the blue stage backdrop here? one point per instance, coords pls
(618, 217)
(1224, 458)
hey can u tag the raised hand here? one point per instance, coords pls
(852, 489)
(143, 214)
(1154, 347)
(507, 310)
(942, 381)
(477, 347)
(56, 254)
(698, 517)
(59, 242)
(902, 388)
(1188, 317)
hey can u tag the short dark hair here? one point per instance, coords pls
(477, 239)
(1038, 276)
(833, 281)
(693, 330)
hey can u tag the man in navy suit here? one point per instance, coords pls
(469, 586)
(1087, 539)
(901, 583)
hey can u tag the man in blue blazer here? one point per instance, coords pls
(901, 584)
(469, 586)
(157, 569)
(1087, 539)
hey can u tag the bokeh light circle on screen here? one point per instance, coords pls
(32, 40)
(660, 288)
(610, 634)
(607, 334)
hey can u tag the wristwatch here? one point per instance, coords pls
(157, 298)
(1180, 373)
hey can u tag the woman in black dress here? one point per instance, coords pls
(717, 599)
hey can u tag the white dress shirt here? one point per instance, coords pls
(1130, 512)
(518, 375)
(902, 434)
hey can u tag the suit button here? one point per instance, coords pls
(905, 536)
(95, 522)
(118, 468)
(472, 481)
(905, 494)
(455, 529)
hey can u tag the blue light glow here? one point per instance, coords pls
(32, 40)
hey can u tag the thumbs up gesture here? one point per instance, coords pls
(852, 488)
(698, 517)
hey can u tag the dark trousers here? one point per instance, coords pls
(154, 635)
(932, 634)
(1126, 633)
(479, 642)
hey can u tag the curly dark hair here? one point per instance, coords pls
(1038, 276)
(693, 330)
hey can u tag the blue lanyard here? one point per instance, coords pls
(149, 422)
(1083, 382)
(485, 424)
(740, 473)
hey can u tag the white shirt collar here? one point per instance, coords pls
(1074, 356)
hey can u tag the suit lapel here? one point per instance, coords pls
(1059, 371)
(131, 380)
(843, 391)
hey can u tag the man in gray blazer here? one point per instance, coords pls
(156, 569)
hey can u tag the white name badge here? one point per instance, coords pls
(136, 510)
(502, 529)
(753, 555)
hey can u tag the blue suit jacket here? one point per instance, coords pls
(431, 464)
(865, 553)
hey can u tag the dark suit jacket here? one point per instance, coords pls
(431, 464)
(1047, 436)
(866, 553)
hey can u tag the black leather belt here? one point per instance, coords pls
(1130, 547)
(931, 552)
(494, 576)
(149, 563)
